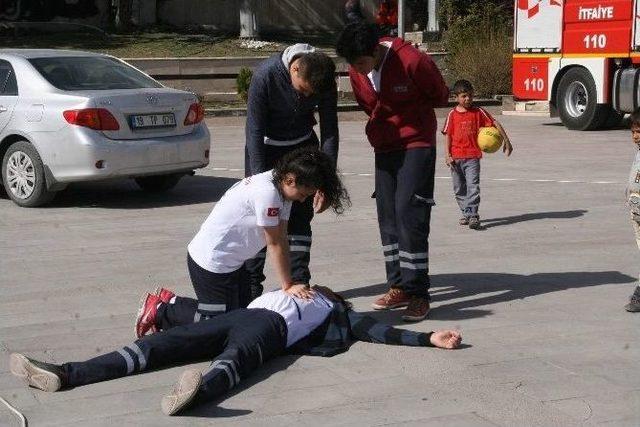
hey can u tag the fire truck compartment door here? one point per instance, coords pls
(538, 25)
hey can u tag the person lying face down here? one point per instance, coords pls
(239, 342)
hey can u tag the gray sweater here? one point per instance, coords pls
(275, 110)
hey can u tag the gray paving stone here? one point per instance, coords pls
(538, 295)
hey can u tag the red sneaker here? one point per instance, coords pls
(146, 319)
(417, 310)
(394, 298)
(165, 295)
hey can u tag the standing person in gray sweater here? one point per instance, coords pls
(633, 201)
(284, 93)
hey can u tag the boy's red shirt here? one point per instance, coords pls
(463, 128)
(401, 115)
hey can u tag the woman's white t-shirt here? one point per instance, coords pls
(301, 315)
(233, 232)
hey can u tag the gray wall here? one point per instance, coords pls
(274, 16)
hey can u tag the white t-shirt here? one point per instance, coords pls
(233, 232)
(301, 315)
(374, 75)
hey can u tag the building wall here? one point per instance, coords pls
(274, 16)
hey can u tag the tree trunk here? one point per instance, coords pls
(123, 14)
(248, 20)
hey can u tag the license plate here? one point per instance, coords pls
(153, 120)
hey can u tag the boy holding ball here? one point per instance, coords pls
(463, 153)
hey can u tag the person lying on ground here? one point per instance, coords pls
(252, 215)
(239, 342)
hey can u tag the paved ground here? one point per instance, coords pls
(538, 295)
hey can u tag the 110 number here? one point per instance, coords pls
(595, 41)
(534, 85)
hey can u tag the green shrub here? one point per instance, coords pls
(243, 81)
(479, 41)
(484, 61)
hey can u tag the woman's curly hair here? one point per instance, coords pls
(313, 168)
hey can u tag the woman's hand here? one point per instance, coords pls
(446, 339)
(300, 290)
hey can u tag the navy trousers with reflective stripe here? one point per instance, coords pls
(299, 230)
(218, 292)
(238, 342)
(404, 183)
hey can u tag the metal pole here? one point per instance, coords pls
(401, 18)
(432, 23)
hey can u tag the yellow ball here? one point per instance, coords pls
(489, 139)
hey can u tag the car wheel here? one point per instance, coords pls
(577, 101)
(158, 183)
(23, 176)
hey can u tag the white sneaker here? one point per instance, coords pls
(183, 392)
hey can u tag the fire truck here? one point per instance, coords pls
(582, 56)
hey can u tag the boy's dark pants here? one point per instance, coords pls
(238, 341)
(404, 196)
(299, 229)
(465, 174)
(218, 293)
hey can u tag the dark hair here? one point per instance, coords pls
(462, 86)
(356, 40)
(634, 120)
(319, 71)
(313, 168)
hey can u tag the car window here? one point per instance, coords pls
(91, 73)
(8, 84)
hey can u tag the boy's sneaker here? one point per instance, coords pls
(394, 298)
(634, 302)
(146, 318)
(417, 310)
(463, 221)
(183, 392)
(165, 295)
(474, 222)
(41, 375)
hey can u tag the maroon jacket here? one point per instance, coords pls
(401, 115)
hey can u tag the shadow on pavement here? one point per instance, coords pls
(508, 220)
(212, 410)
(125, 194)
(484, 289)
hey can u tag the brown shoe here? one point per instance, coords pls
(394, 298)
(417, 310)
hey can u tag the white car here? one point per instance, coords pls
(69, 116)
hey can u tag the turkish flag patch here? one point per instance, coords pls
(273, 211)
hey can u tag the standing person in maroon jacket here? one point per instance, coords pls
(398, 87)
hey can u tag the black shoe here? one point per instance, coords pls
(474, 222)
(41, 375)
(634, 302)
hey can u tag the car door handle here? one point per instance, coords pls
(2, 109)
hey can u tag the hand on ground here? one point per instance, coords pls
(446, 339)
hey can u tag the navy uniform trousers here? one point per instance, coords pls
(238, 342)
(218, 293)
(299, 228)
(404, 182)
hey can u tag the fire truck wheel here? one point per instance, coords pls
(577, 101)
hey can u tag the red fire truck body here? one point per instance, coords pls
(583, 56)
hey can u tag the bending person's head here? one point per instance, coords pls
(359, 45)
(313, 73)
(306, 170)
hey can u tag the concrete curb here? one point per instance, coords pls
(241, 112)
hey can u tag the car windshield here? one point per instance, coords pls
(91, 73)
